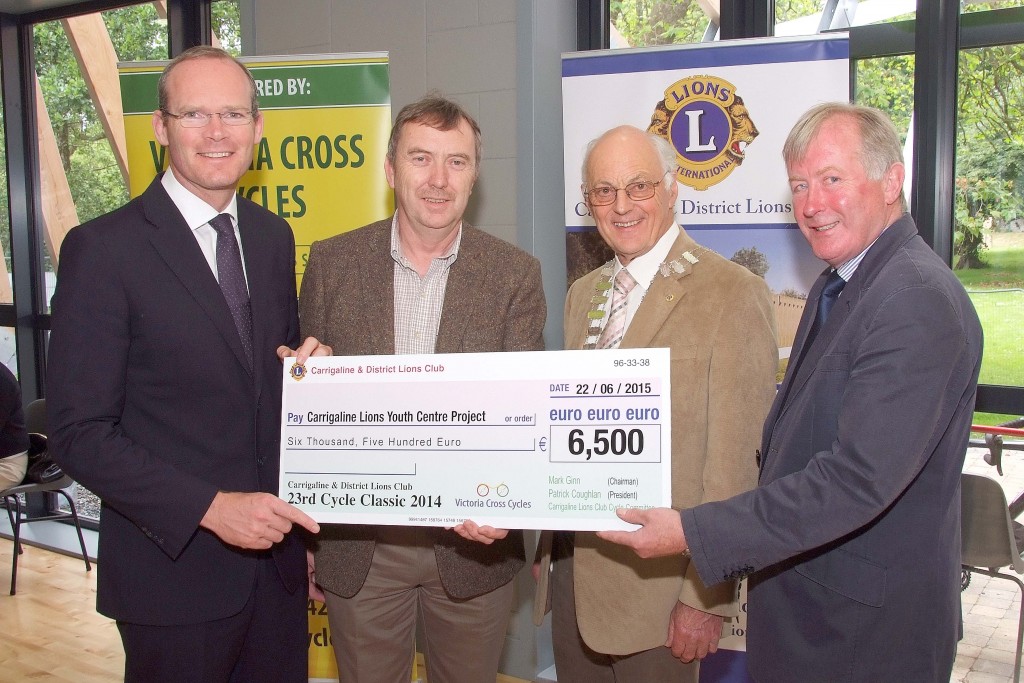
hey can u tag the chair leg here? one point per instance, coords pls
(1020, 640)
(78, 527)
(16, 530)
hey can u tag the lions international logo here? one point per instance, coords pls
(710, 128)
(297, 371)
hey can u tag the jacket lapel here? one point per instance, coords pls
(664, 293)
(173, 240)
(894, 237)
(377, 290)
(464, 281)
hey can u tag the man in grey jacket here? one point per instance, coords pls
(852, 538)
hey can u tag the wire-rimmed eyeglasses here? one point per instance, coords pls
(198, 119)
(639, 190)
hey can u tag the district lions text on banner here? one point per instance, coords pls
(727, 108)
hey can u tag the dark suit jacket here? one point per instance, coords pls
(853, 535)
(152, 407)
(493, 302)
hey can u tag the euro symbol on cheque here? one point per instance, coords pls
(543, 444)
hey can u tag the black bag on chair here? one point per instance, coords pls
(41, 467)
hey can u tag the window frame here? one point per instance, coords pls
(189, 23)
(944, 32)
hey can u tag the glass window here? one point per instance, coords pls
(804, 17)
(81, 134)
(7, 346)
(226, 26)
(644, 23)
(988, 253)
(983, 5)
(8, 355)
(887, 83)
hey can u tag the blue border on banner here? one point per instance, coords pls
(704, 55)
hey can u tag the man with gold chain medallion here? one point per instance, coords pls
(617, 617)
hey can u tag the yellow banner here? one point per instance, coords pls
(320, 163)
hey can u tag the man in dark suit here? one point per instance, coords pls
(423, 281)
(164, 398)
(852, 539)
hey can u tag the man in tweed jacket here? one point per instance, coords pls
(617, 618)
(422, 281)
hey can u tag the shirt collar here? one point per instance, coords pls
(194, 210)
(644, 268)
(847, 269)
(396, 245)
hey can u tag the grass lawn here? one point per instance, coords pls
(998, 296)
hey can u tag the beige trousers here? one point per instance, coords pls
(374, 631)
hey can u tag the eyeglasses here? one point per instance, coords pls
(640, 190)
(198, 119)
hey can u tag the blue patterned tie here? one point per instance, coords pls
(829, 293)
(232, 280)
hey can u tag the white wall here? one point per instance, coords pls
(498, 58)
(466, 49)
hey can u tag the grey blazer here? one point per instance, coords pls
(493, 302)
(852, 539)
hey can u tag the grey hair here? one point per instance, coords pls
(880, 145)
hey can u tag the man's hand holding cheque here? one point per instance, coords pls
(660, 532)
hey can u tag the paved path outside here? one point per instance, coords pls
(991, 606)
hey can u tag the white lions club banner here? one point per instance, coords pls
(727, 108)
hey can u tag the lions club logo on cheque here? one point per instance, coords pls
(709, 126)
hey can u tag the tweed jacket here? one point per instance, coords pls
(716, 318)
(493, 302)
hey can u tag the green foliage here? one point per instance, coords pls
(93, 176)
(644, 23)
(226, 25)
(985, 5)
(887, 83)
(990, 148)
(997, 292)
(1004, 265)
(752, 259)
(787, 10)
(137, 33)
(88, 160)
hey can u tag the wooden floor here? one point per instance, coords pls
(50, 630)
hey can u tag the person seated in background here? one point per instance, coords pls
(13, 435)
